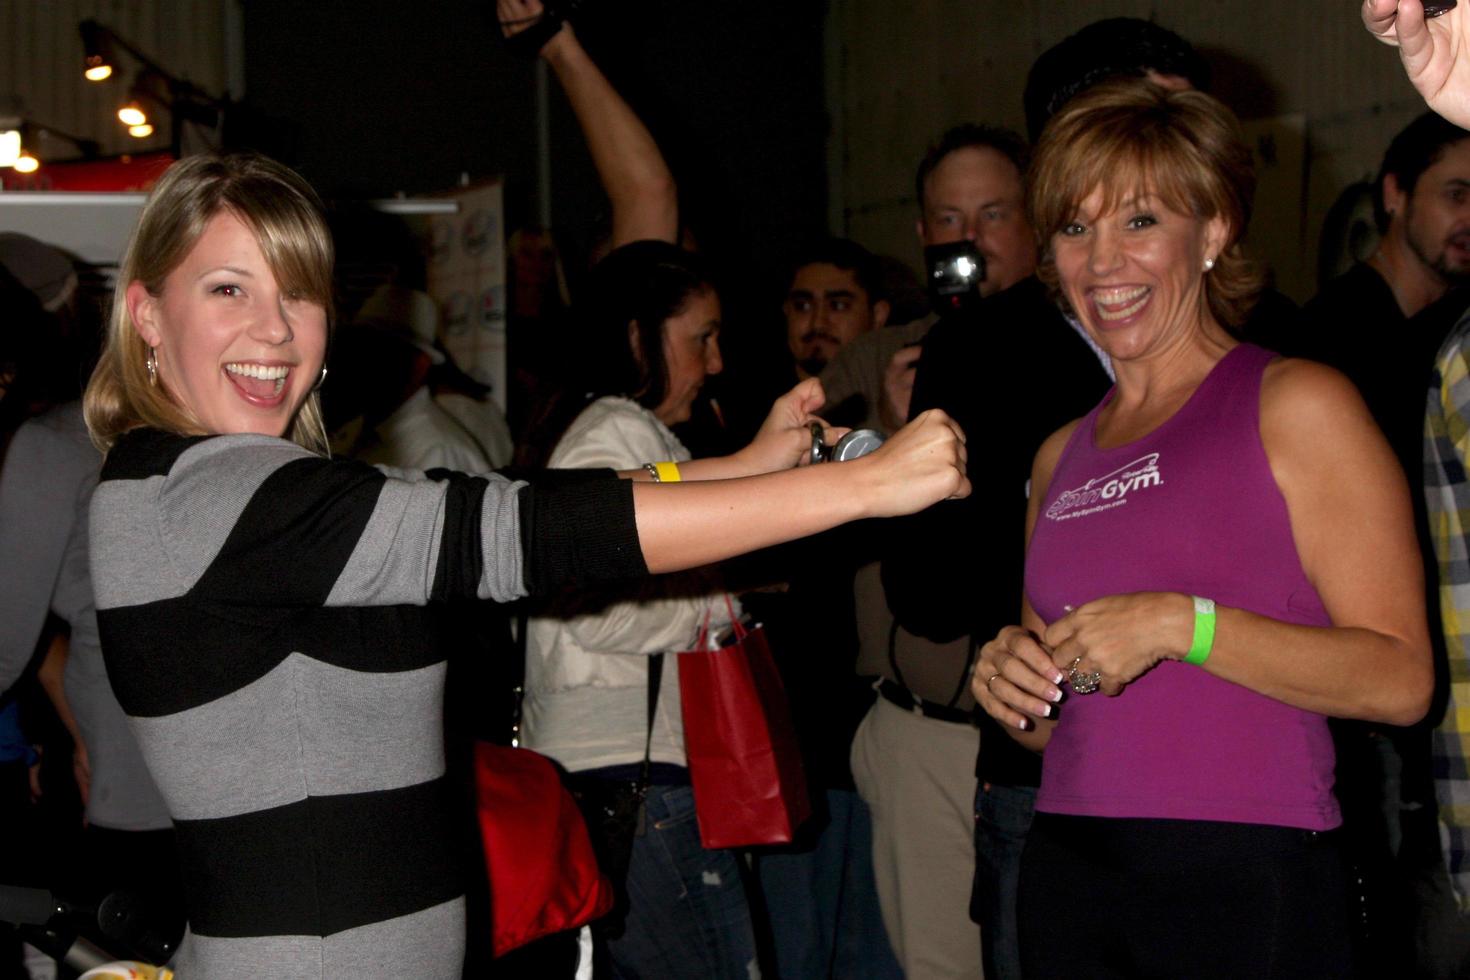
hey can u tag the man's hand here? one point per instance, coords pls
(1433, 50)
(898, 386)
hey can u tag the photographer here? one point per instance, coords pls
(913, 755)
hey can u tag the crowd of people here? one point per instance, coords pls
(1155, 669)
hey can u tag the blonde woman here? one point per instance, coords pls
(266, 612)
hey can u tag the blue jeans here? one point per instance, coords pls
(1002, 819)
(687, 913)
(822, 901)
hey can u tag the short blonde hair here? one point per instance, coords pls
(286, 217)
(1127, 136)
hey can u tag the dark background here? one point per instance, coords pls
(371, 98)
(732, 92)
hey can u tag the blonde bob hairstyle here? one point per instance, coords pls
(1129, 137)
(286, 216)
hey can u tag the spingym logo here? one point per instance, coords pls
(1109, 490)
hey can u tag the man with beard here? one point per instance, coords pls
(1381, 323)
(1357, 322)
(834, 297)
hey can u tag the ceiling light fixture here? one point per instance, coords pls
(132, 114)
(96, 51)
(9, 147)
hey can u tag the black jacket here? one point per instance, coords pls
(1011, 372)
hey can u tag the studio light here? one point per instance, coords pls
(26, 164)
(9, 147)
(132, 114)
(154, 91)
(96, 51)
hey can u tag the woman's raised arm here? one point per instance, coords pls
(637, 181)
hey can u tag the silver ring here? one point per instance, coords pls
(1084, 683)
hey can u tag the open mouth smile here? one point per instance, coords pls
(259, 384)
(1115, 304)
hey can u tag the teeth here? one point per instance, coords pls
(276, 374)
(1125, 294)
(1138, 295)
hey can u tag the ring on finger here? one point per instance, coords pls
(1083, 683)
(989, 679)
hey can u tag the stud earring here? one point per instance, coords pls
(1209, 264)
(152, 364)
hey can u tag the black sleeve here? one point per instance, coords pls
(578, 528)
(934, 561)
(1010, 375)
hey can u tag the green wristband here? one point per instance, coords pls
(1204, 631)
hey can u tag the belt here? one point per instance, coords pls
(901, 696)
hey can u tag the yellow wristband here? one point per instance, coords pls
(666, 472)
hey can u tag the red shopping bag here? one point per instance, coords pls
(543, 873)
(749, 787)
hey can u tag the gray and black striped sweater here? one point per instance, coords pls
(262, 618)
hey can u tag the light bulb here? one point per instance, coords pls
(9, 147)
(132, 114)
(97, 72)
(26, 164)
(139, 132)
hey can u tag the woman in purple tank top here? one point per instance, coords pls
(1222, 550)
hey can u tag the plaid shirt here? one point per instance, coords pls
(1447, 491)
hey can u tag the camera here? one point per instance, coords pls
(858, 442)
(955, 271)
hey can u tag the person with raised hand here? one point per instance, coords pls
(634, 175)
(1434, 43)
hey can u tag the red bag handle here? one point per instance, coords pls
(701, 643)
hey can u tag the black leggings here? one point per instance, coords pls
(1103, 897)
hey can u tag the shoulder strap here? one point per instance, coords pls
(964, 678)
(655, 681)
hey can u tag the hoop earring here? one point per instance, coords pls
(152, 364)
(321, 379)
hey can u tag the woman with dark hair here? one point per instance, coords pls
(1223, 547)
(648, 336)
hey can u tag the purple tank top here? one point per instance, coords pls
(1192, 507)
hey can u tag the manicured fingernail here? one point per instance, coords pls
(1024, 725)
(1055, 694)
(1057, 678)
(1046, 711)
(1069, 608)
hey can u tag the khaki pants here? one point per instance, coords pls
(918, 777)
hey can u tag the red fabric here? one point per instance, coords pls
(126, 173)
(749, 787)
(543, 873)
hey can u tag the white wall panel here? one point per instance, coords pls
(41, 61)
